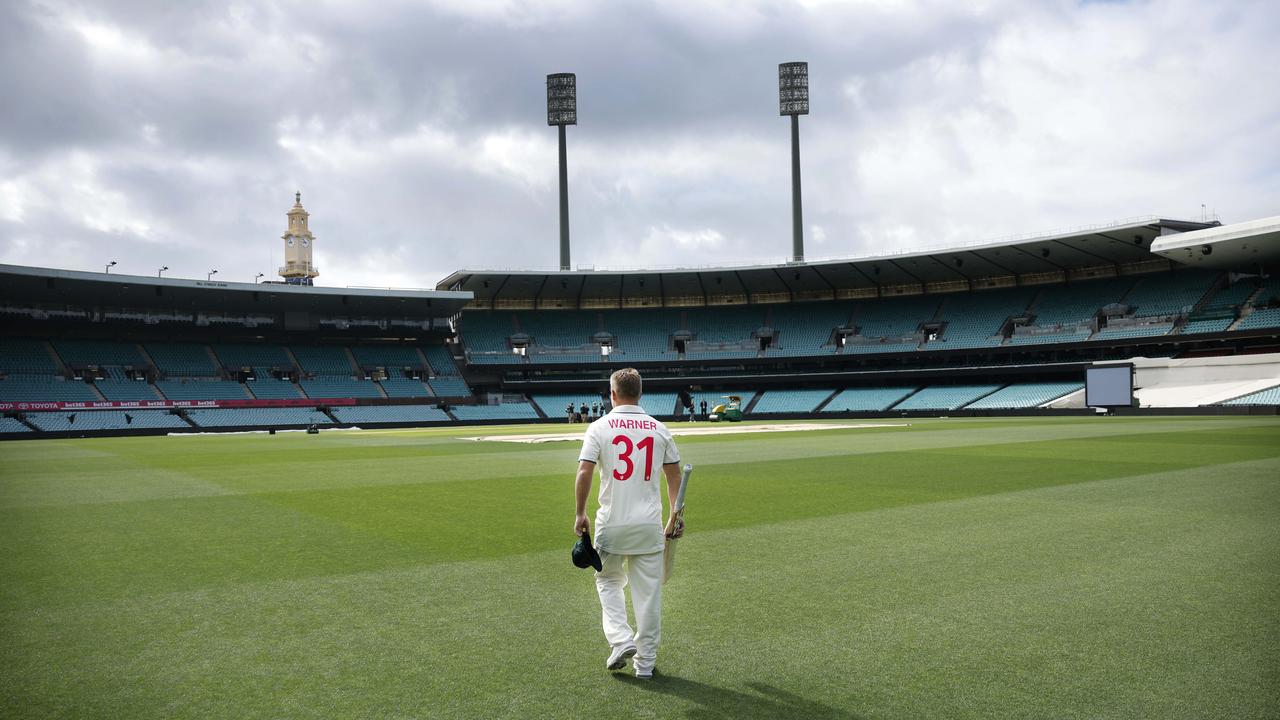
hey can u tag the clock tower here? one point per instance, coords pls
(298, 243)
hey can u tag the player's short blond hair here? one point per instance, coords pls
(626, 383)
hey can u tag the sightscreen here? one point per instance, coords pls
(1109, 386)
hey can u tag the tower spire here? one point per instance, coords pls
(298, 244)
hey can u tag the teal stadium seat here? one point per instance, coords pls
(553, 404)
(440, 359)
(23, 356)
(326, 387)
(197, 389)
(105, 420)
(126, 390)
(44, 388)
(323, 360)
(974, 319)
(867, 399)
(1195, 327)
(805, 328)
(504, 411)
(403, 387)
(12, 425)
(1169, 293)
(1264, 318)
(449, 386)
(372, 415)
(791, 401)
(1132, 331)
(257, 417)
(266, 387)
(242, 355)
(387, 356)
(79, 353)
(1270, 396)
(945, 397)
(1025, 395)
(182, 359)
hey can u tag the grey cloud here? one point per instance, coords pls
(417, 134)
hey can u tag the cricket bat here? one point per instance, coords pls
(669, 551)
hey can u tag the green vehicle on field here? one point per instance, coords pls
(730, 411)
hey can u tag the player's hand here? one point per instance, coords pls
(581, 525)
(675, 528)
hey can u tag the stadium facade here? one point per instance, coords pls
(989, 328)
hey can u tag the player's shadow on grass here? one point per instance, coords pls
(720, 702)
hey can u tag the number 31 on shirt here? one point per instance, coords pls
(624, 456)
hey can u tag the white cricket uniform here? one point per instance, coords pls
(629, 449)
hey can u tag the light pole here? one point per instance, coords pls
(210, 275)
(562, 109)
(793, 100)
(110, 265)
(258, 277)
(160, 272)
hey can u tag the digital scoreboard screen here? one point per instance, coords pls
(1109, 386)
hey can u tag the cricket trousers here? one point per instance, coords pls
(644, 574)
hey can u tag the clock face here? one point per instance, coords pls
(305, 242)
(289, 242)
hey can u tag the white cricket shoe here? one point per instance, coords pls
(644, 672)
(620, 655)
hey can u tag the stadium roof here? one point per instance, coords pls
(1243, 245)
(48, 286)
(1120, 243)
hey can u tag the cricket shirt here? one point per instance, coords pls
(629, 448)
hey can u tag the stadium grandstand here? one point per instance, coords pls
(992, 328)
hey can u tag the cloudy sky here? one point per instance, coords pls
(175, 133)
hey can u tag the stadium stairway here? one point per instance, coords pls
(57, 359)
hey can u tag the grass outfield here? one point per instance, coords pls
(1037, 568)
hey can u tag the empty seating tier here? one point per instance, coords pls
(26, 357)
(44, 388)
(268, 388)
(323, 359)
(974, 320)
(554, 405)
(1170, 293)
(1077, 302)
(791, 401)
(115, 389)
(867, 399)
(1025, 395)
(182, 359)
(386, 356)
(806, 328)
(11, 425)
(105, 420)
(257, 417)
(246, 355)
(945, 397)
(504, 411)
(1270, 396)
(390, 414)
(1132, 331)
(339, 387)
(403, 387)
(440, 359)
(450, 387)
(1265, 318)
(1206, 326)
(79, 353)
(203, 390)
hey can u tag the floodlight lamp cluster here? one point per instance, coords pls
(793, 88)
(562, 99)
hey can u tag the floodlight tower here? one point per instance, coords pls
(793, 100)
(562, 109)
